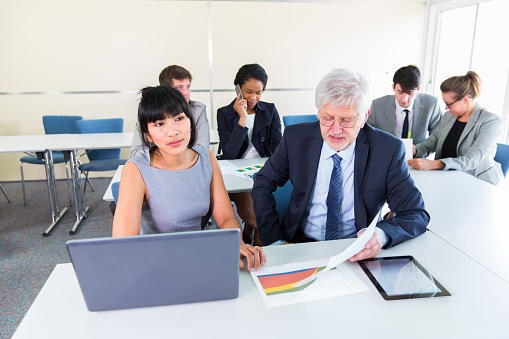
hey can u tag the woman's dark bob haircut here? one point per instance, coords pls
(251, 71)
(158, 103)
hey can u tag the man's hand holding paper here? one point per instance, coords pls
(371, 249)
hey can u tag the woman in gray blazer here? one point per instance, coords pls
(466, 137)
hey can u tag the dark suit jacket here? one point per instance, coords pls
(381, 174)
(233, 140)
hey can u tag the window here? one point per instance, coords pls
(473, 37)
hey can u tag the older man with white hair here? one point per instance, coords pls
(342, 171)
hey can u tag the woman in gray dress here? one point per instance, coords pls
(175, 181)
(466, 137)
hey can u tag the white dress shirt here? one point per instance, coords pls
(317, 206)
(400, 118)
(251, 151)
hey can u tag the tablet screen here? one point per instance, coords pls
(402, 278)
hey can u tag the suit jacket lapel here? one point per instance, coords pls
(418, 115)
(361, 159)
(314, 150)
(470, 125)
(390, 115)
(261, 119)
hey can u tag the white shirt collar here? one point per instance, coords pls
(346, 154)
(400, 109)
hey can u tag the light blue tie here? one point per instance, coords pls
(334, 201)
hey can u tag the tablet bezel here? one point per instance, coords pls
(443, 292)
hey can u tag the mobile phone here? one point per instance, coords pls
(237, 90)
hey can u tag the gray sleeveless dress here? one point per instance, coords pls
(177, 199)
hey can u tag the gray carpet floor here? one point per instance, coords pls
(26, 257)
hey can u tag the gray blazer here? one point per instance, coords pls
(476, 147)
(427, 115)
(198, 112)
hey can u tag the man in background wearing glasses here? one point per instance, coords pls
(343, 171)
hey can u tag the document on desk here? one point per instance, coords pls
(242, 172)
(274, 283)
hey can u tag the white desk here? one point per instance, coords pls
(38, 144)
(470, 214)
(72, 143)
(476, 309)
(232, 183)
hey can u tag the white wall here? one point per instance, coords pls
(111, 45)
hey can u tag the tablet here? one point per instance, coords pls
(402, 277)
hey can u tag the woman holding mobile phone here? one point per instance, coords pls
(248, 128)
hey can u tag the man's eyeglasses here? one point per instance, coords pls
(452, 103)
(329, 121)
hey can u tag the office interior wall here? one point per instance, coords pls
(90, 58)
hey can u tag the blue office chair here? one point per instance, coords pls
(53, 124)
(282, 196)
(104, 159)
(114, 190)
(297, 119)
(502, 156)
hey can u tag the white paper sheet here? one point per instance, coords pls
(336, 282)
(246, 172)
(350, 251)
(227, 167)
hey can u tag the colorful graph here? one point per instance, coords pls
(250, 168)
(283, 282)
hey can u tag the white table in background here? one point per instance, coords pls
(470, 214)
(38, 144)
(477, 307)
(92, 141)
(232, 182)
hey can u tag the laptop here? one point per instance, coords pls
(156, 270)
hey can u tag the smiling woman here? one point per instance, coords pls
(172, 180)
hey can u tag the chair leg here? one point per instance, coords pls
(23, 184)
(87, 180)
(90, 183)
(3, 191)
(68, 185)
(85, 185)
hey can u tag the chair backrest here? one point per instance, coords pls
(60, 124)
(102, 126)
(114, 190)
(282, 196)
(502, 156)
(297, 119)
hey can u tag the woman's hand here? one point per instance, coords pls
(253, 254)
(414, 149)
(240, 106)
(425, 164)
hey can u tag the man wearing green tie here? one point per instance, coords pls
(407, 113)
